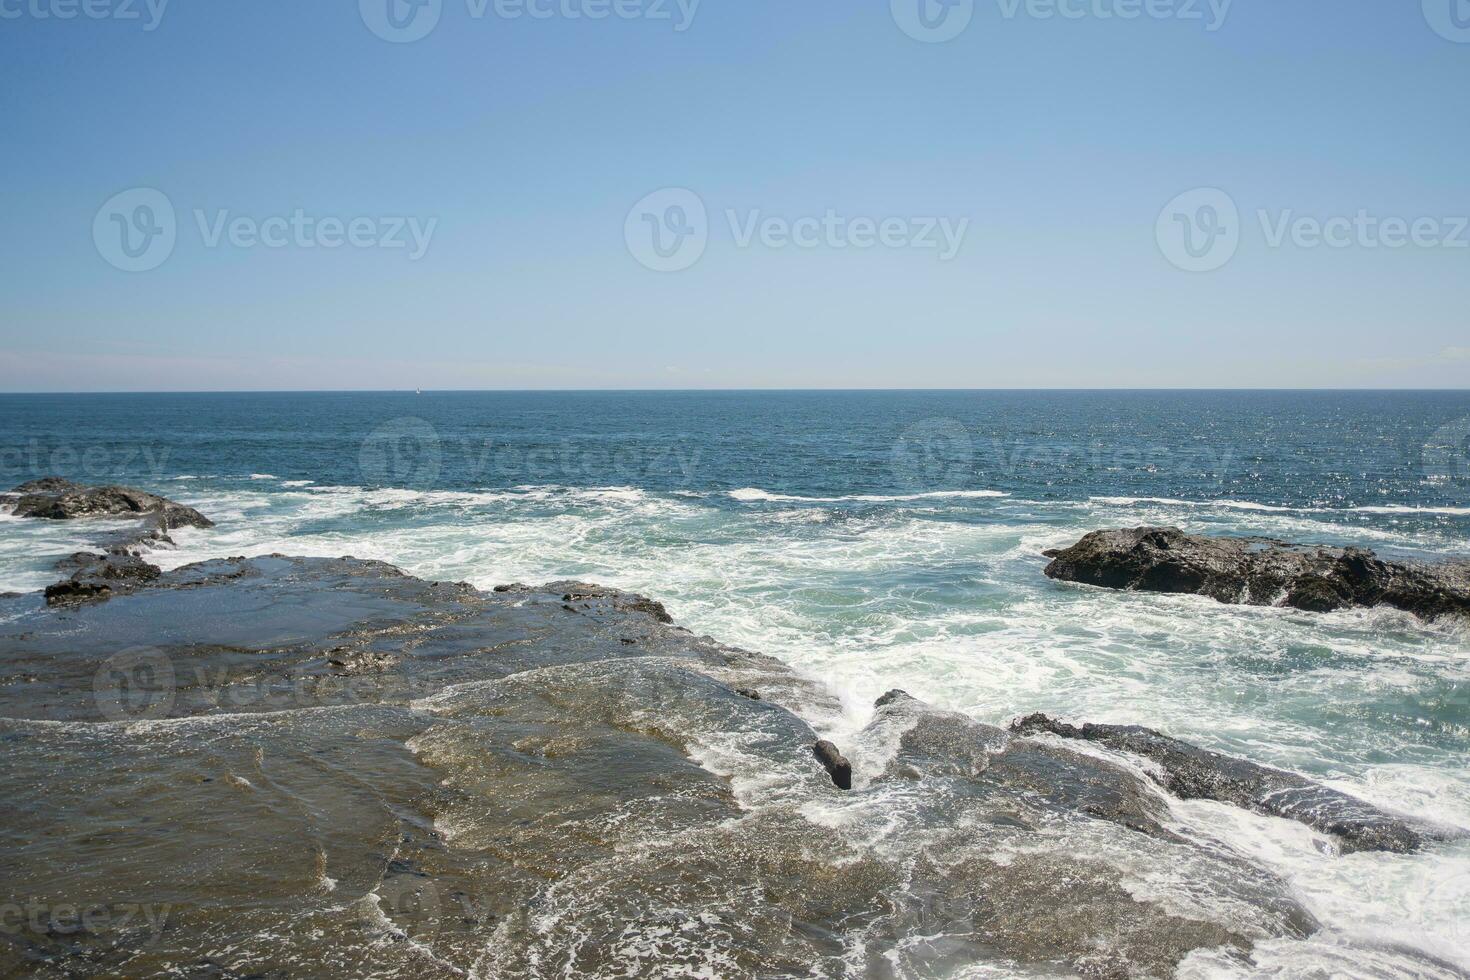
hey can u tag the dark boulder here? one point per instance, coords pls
(46, 485)
(895, 697)
(72, 591)
(1192, 773)
(101, 577)
(56, 499)
(1261, 572)
(120, 568)
(835, 763)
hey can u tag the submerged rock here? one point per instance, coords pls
(1261, 572)
(1052, 781)
(1192, 773)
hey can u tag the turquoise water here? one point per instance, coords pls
(878, 540)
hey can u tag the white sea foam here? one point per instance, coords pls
(1173, 502)
(755, 494)
(1396, 509)
(1280, 509)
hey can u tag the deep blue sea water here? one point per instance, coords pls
(1320, 449)
(878, 540)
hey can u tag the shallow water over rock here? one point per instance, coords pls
(286, 766)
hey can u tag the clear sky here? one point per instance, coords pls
(857, 201)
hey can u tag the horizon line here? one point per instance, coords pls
(727, 390)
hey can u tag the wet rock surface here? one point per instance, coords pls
(1192, 773)
(329, 768)
(100, 577)
(1261, 572)
(836, 764)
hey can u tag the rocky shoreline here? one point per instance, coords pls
(328, 766)
(120, 566)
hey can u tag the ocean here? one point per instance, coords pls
(878, 540)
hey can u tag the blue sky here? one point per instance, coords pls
(1050, 147)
